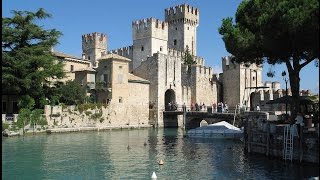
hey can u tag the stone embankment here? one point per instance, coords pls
(81, 129)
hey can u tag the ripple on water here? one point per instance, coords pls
(105, 155)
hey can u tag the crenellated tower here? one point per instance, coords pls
(149, 36)
(94, 46)
(239, 82)
(183, 21)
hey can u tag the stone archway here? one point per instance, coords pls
(170, 96)
(251, 101)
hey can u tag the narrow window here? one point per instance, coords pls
(4, 107)
(174, 42)
(160, 48)
(253, 78)
(120, 67)
(176, 28)
(120, 100)
(88, 57)
(106, 79)
(188, 27)
(142, 48)
(174, 70)
(166, 70)
(71, 68)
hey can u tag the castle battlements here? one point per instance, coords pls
(150, 27)
(198, 70)
(149, 23)
(203, 70)
(199, 60)
(182, 13)
(93, 37)
(124, 51)
(173, 52)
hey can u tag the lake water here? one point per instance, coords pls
(105, 155)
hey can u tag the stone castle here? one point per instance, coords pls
(139, 81)
(153, 72)
(157, 55)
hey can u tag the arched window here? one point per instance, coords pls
(174, 42)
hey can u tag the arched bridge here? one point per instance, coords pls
(192, 119)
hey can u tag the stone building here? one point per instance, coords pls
(139, 81)
(157, 55)
(239, 82)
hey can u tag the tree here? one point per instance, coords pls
(188, 59)
(71, 93)
(23, 117)
(27, 64)
(283, 31)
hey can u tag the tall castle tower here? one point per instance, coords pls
(183, 22)
(94, 46)
(149, 36)
(239, 82)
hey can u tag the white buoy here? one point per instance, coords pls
(161, 162)
(154, 176)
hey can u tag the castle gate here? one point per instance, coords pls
(170, 120)
(170, 96)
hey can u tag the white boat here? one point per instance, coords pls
(220, 130)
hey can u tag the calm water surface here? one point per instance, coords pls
(105, 155)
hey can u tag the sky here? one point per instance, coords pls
(114, 18)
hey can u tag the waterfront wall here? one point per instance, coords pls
(266, 137)
(105, 116)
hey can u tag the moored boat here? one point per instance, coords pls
(220, 130)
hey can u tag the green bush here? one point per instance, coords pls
(87, 113)
(5, 126)
(23, 117)
(96, 115)
(84, 107)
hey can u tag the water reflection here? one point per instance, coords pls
(104, 155)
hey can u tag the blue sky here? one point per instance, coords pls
(76, 17)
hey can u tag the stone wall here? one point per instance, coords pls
(267, 138)
(113, 115)
(138, 102)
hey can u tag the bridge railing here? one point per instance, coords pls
(209, 109)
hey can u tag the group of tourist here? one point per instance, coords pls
(172, 106)
(221, 108)
(198, 107)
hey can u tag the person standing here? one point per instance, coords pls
(258, 107)
(222, 107)
(226, 107)
(299, 121)
(184, 108)
(214, 106)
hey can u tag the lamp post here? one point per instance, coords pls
(286, 80)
